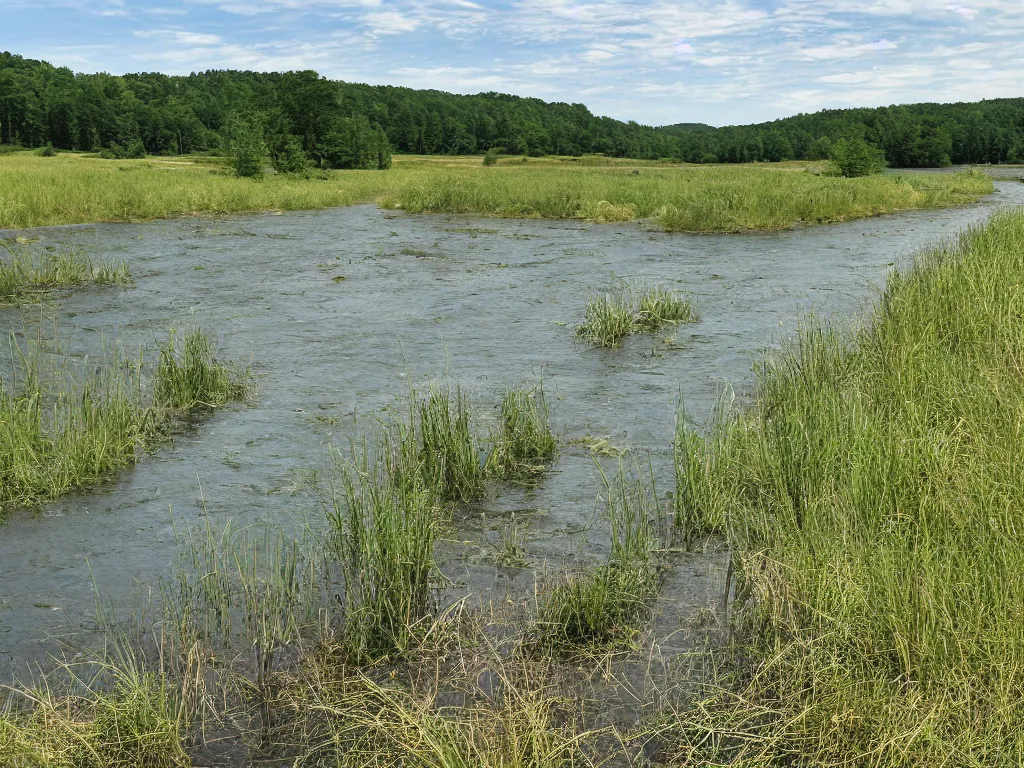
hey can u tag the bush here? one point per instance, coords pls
(136, 150)
(855, 157)
(48, 151)
(287, 155)
(247, 149)
(491, 157)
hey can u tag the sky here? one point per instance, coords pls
(655, 61)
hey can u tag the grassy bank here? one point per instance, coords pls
(71, 189)
(874, 498)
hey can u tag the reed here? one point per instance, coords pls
(451, 457)
(523, 444)
(872, 496)
(61, 431)
(632, 307)
(383, 514)
(607, 604)
(28, 274)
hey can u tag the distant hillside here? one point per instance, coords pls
(912, 135)
(340, 124)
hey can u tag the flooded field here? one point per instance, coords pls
(340, 311)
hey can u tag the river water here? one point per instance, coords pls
(339, 311)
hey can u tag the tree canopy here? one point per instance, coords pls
(306, 118)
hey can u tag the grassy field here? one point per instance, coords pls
(71, 189)
(873, 496)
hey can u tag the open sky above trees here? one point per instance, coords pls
(654, 61)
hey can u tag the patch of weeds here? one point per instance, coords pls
(189, 376)
(511, 553)
(524, 445)
(27, 273)
(632, 308)
(449, 450)
(607, 604)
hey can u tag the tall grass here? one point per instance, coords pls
(123, 718)
(72, 189)
(606, 604)
(523, 444)
(451, 457)
(873, 495)
(632, 308)
(384, 517)
(60, 433)
(189, 376)
(27, 273)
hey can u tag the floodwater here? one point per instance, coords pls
(339, 311)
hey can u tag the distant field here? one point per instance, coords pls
(75, 188)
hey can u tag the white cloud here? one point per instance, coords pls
(390, 23)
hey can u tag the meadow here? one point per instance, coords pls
(73, 189)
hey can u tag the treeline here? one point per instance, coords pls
(911, 136)
(301, 117)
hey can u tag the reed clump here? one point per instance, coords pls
(189, 376)
(632, 308)
(60, 432)
(873, 497)
(384, 516)
(450, 457)
(607, 604)
(523, 444)
(122, 718)
(28, 274)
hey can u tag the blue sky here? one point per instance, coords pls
(656, 62)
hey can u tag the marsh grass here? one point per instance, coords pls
(523, 444)
(607, 604)
(451, 456)
(73, 189)
(630, 308)
(61, 431)
(188, 375)
(872, 496)
(27, 274)
(384, 516)
(120, 716)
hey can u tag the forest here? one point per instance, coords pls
(302, 118)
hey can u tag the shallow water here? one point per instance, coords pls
(487, 303)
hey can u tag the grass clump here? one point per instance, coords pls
(189, 376)
(450, 454)
(632, 308)
(523, 444)
(60, 433)
(873, 496)
(384, 518)
(26, 274)
(607, 604)
(125, 719)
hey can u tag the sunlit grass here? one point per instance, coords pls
(72, 189)
(27, 274)
(873, 495)
(632, 308)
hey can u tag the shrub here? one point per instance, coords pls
(47, 151)
(855, 157)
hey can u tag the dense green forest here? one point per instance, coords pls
(300, 117)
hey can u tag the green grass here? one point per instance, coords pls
(607, 604)
(384, 516)
(451, 457)
(873, 496)
(28, 274)
(130, 721)
(632, 308)
(71, 189)
(523, 444)
(59, 433)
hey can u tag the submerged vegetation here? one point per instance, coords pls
(874, 501)
(26, 274)
(73, 189)
(60, 433)
(632, 308)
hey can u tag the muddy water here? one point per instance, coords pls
(338, 309)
